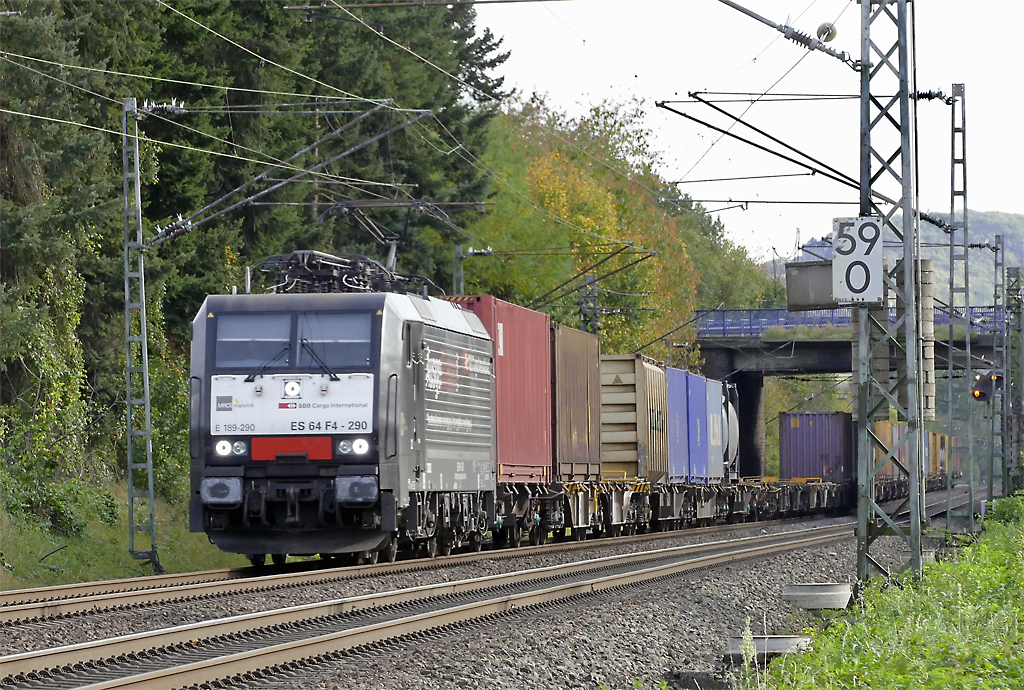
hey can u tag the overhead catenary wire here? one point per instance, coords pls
(261, 57)
(152, 113)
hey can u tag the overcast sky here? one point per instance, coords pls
(580, 52)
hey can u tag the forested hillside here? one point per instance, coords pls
(252, 85)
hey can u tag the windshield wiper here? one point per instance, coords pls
(267, 364)
(316, 358)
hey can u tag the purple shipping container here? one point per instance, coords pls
(816, 445)
(697, 414)
(716, 434)
(678, 426)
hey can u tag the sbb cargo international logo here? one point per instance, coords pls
(224, 403)
(287, 406)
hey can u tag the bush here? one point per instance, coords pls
(961, 626)
(1009, 510)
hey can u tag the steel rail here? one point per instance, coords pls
(29, 662)
(25, 605)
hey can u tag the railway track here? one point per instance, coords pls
(19, 606)
(221, 648)
(22, 605)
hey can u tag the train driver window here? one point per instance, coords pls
(340, 340)
(251, 340)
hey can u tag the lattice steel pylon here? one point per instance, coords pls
(999, 397)
(139, 432)
(887, 141)
(960, 416)
(1014, 327)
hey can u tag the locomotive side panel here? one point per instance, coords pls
(457, 411)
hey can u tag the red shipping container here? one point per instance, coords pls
(522, 387)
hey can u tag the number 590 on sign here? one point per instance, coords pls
(857, 260)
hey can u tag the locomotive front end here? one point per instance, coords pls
(284, 430)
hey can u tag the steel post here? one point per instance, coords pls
(141, 504)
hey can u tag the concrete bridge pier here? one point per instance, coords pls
(750, 387)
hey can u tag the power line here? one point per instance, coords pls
(181, 82)
(746, 177)
(490, 97)
(260, 57)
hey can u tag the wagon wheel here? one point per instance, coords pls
(370, 557)
(446, 543)
(279, 558)
(430, 547)
(391, 550)
(258, 559)
(558, 535)
(476, 541)
(515, 536)
(580, 533)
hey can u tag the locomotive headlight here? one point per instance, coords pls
(360, 446)
(223, 447)
(356, 489)
(292, 389)
(239, 447)
(345, 447)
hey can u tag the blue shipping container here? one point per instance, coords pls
(716, 440)
(697, 418)
(678, 425)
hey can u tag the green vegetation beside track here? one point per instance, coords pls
(960, 628)
(94, 544)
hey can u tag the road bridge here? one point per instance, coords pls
(743, 346)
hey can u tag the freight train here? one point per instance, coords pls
(348, 412)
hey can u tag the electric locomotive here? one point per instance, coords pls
(328, 422)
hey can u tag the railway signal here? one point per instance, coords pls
(986, 383)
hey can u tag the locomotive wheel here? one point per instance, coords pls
(258, 559)
(279, 558)
(391, 550)
(430, 547)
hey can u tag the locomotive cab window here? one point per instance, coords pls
(250, 340)
(340, 340)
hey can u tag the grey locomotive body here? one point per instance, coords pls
(340, 423)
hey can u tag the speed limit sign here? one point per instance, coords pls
(857, 260)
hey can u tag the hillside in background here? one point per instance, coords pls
(983, 226)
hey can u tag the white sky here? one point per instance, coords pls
(580, 52)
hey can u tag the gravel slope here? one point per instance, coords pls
(654, 632)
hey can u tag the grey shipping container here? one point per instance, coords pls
(634, 415)
(816, 445)
(576, 389)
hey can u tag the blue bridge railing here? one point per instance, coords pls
(754, 322)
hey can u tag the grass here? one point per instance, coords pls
(807, 333)
(100, 552)
(779, 333)
(961, 627)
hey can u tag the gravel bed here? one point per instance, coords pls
(91, 626)
(650, 633)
